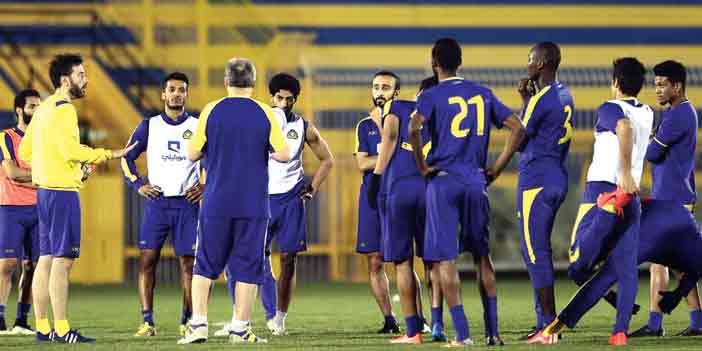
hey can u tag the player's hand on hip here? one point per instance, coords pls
(669, 300)
(628, 184)
(151, 192)
(491, 174)
(194, 194)
(307, 192)
(429, 172)
(121, 152)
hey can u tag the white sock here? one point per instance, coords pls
(280, 317)
(198, 320)
(238, 326)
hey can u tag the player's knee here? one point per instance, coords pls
(375, 264)
(8, 266)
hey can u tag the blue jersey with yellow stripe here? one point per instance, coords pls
(459, 115)
(236, 135)
(546, 118)
(402, 163)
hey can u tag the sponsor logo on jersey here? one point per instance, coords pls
(292, 134)
(187, 134)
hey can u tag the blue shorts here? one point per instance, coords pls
(237, 243)
(18, 232)
(404, 219)
(536, 209)
(368, 239)
(458, 216)
(59, 223)
(287, 223)
(174, 215)
(669, 236)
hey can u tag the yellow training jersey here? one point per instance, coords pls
(52, 147)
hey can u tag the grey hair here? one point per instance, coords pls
(240, 73)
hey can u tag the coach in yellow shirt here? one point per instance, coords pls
(52, 147)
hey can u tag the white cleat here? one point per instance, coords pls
(226, 328)
(20, 330)
(248, 337)
(275, 328)
(194, 335)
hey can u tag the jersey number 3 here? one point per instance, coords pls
(568, 127)
(479, 103)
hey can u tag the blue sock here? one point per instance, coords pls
(2, 311)
(460, 322)
(411, 323)
(696, 320)
(437, 317)
(655, 320)
(231, 285)
(23, 312)
(538, 311)
(148, 317)
(390, 320)
(185, 316)
(547, 320)
(491, 326)
(269, 292)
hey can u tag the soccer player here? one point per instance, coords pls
(385, 87)
(289, 192)
(19, 239)
(235, 134)
(543, 178)
(52, 148)
(606, 231)
(672, 155)
(403, 214)
(459, 115)
(172, 193)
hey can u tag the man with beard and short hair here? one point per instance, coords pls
(52, 148)
(385, 87)
(19, 239)
(172, 193)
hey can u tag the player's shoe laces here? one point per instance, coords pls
(73, 337)
(494, 340)
(46, 337)
(614, 201)
(21, 328)
(456, 343)
(690, 332)
(437, 334)
(618, 339)
(195, 334)
(146, 330)
(646, 331)
(245, 337)
(224, 331)
(277, 329)
(389, 328)
(540, 338)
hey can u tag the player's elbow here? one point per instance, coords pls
(329, 161)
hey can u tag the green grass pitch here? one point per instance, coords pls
(334, 316)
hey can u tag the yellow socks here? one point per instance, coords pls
(62, 327)
(43, 326)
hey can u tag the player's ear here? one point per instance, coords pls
(677, 87)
